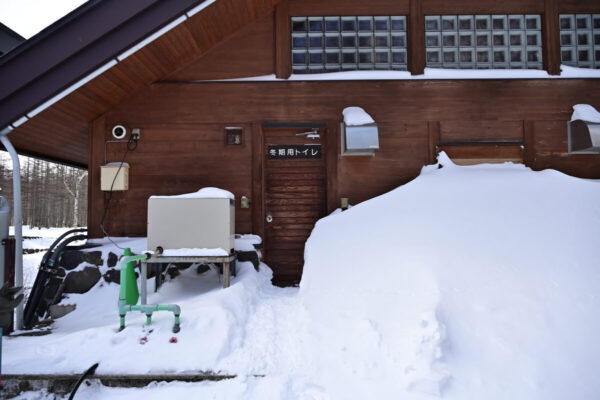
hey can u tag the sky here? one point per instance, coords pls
(28, 17)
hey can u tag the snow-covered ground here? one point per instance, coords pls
(476, 282)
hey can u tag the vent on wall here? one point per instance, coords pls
(360, 140)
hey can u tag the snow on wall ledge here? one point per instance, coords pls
(431, 73)
(474, 282)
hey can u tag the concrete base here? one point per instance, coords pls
(13, 385)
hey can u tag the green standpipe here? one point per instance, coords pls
(129, 294)
(132, 295)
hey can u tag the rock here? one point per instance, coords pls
(82, 281)
(93, 257)
(112, 260)
(70, 259)
(251, 256)
(202, 268)
(112, 276)
(58, 311)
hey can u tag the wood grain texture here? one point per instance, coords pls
(529, 143)
(433, 133)
(579, 6)
(453, 7)
(247, 52)
(173, 159)
(477, 154)
(407, 112)
(344, 7)
(416, 38)
(293, 189)
(550, 37)
(481, 131)
(96, 158)
(283, 64)
(332, 137)
(60, 132)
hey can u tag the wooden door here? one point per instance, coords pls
(294, 198)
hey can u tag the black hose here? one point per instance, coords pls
(90, 371)
(61, 248)
(48, 261)
(34, 298)
(57, 241)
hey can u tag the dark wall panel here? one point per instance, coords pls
(174, 159)
(248, 52)
(482, 7)
(182, 147)
(344, 7)
(481, 130)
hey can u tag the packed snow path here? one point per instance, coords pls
(467, 283)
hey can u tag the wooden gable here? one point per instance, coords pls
(60, 132)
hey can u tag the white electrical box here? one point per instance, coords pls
(191, 223)
(108, 181)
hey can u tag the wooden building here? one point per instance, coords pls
(175, 72)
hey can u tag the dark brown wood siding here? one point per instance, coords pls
(171, 158)
(182, 120)
(248, 52)
(182, 147)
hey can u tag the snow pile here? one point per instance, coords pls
(585, 112)
(475, 282)
(213, 323)
(204, 193)
(466, 283)
(356, 116)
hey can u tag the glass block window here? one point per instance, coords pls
(332, 44)
(580, 40)
(483, 41)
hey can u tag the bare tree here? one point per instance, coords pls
(52, 194)
(76, 194)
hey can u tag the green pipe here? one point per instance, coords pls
(126, 289)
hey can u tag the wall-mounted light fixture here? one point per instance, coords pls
(583, 130)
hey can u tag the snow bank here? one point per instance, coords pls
(585, 112)
(204, 193)
(356, 116)
(467, 283)
(475, 282)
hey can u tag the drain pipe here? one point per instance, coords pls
(18, 221)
